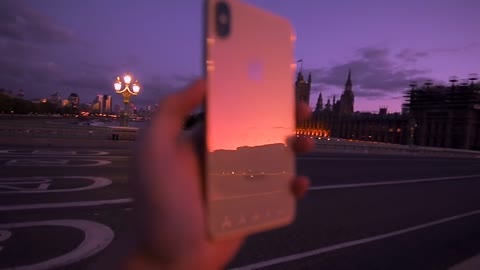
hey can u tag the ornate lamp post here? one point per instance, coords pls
(123, 88)
(411, 127)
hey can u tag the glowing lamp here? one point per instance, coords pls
(127, 79)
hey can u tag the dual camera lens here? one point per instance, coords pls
(222, 19)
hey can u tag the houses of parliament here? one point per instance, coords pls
(435, 116)
(432, 115)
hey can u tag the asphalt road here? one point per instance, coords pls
(71, 208)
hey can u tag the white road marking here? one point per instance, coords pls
(64, 204)
(413, 159)
(15, 183)
(4, 235)
(43, 186)
(399, 182)
(15, 186)
(54, 152)
(72, 157)
(348, 244)
(97, 237)
(53, 163)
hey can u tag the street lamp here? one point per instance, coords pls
(411, 126)
(123, 88)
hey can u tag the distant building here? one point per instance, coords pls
(102, 104)
(97, 104)
(302, 88)
(55, 98)
(445, 116)
(107, 104)
(383, 110)
(435, 116)
(74, 100)
(21, 94)
(337, 119)
(319, 106)
(6, 92)
(347, 98)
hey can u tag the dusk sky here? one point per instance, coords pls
(81, 46)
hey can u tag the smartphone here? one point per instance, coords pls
(249, 116)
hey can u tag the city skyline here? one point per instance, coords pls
(51, 47)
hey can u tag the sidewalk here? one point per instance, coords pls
(63, 142)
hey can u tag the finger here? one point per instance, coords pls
(196, 136)
(303, 111)
(174, 108)
(300, 186)
(302, 144)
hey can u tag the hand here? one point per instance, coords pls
(168, 189)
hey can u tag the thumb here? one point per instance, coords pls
(174, 108)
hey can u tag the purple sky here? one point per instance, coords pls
(80, 46)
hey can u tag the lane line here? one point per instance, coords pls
(96, 237)
(97, 182)
(64, 205)
(129, 200)
(413, 159)
(399, 182)
(349, 244)
(52, 152)
(58, 156)
(53, 163)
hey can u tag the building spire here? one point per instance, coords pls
(300, 77)
(349, 79)
(319, 106)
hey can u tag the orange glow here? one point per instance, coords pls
(314, 132)
(210, 41)
(248, 104)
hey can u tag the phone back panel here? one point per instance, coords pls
(250, 114)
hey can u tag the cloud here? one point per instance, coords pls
(411, 56)
(374, 73)
(26, 36)
(40, 56)
(20, 23)
(185, 79)
(469, 47)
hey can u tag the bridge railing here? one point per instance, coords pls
(349, 146)
(73, 132)
(19, 129)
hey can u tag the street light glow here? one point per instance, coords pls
(127, 92)
(127, 79)
(136, 88)
(117, 86)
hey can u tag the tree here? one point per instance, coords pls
(6, 103)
